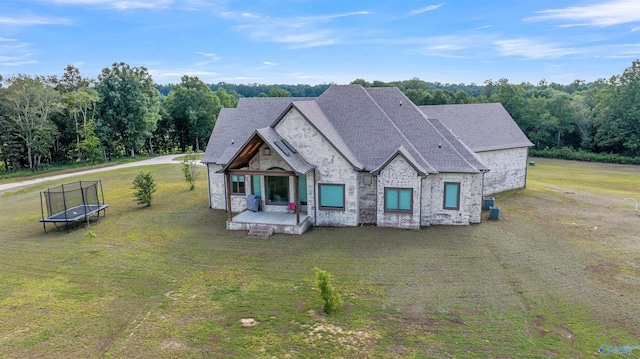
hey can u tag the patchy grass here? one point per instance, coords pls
(169, 281)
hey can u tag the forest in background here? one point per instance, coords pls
(73, 119)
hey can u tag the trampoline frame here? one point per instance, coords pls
(77, 212)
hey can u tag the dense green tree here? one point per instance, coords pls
(226, 100)
(28, 103)
(275, 91)
(129, 109)
(361, 82)
(194, 108)
(619, 119)
(81, 105)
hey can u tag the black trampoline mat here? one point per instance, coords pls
(75, 213)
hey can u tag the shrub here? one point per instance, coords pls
(190, 168)
(145, 186)
(331, 300)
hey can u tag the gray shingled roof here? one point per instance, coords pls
(367, 126)
(482, 127)
(235, 125)
(424, 140)
(312, 112)
(294, 160)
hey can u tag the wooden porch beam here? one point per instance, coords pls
(261, 173)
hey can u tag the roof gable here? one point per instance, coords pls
(407, 156)
(235, 125)
(269, 136)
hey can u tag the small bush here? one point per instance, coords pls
(145, 186)
(190, 168)
(331, 300)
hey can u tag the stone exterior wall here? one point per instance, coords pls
(470, 210)
(331, 167)
(399, 174)
(217, 191)
(368, 198)
(508, 170)
(216, 187)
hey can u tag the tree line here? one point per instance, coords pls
(76, 119)
(123, 112)
(601, 117)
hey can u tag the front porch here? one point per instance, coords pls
(279, 222)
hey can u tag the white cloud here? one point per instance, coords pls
(299, 32)
(4, 39)
(423, 10)
(18, 63)
(213, 56)
(609, 13)
(270, 63)
(32, 20)
(118, 4)
(302, 76)
(532, 49)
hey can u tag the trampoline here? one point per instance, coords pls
(72, 202)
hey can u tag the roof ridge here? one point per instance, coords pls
(386, 115)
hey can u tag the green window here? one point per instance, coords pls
(237, 184)
(277, 190)
(256, 185)
(398, 199)
(331, 196)
(451, 195)
(302, 189)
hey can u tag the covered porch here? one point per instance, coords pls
(277, 176)
(278, 222)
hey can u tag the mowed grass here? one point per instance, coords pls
(169, 281)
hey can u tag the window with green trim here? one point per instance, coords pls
(398, 199)
(237, 184)
(451, 195)
(331, 196)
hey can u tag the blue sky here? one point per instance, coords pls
(324, 41)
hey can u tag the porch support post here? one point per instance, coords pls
(296, 190)
(227, 177)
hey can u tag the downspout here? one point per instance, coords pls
(482, 195)
(209, 185)
(526, 168)
(420, 203)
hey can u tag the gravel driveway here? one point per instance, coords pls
(151, 161)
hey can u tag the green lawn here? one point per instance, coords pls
(169, 281)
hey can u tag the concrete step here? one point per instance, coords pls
(260, 231)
